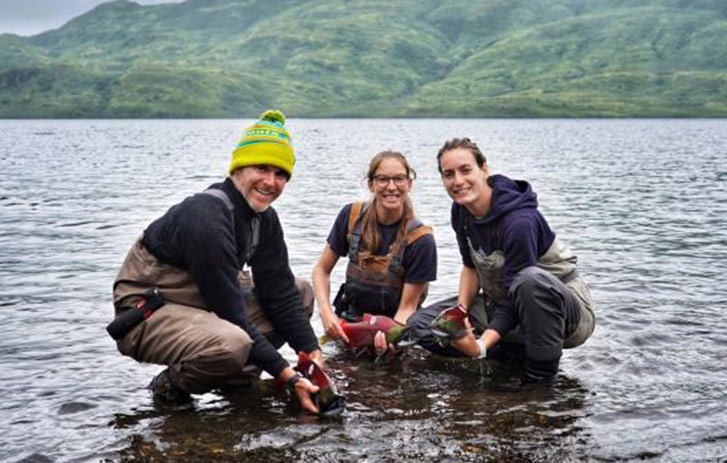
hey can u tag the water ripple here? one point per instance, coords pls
(643, 203)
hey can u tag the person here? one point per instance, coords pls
(217, 322)
(392, 256)
(533, 292)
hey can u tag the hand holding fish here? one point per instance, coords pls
(380, 344)
(332, 326)
(473, 347)
(452, 323)
(326, 400)
(297, 384)
(304, 389)
(467, 344)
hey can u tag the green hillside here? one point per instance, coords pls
(370, 58)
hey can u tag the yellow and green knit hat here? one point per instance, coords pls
(265, 142)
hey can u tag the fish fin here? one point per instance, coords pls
(406, 340)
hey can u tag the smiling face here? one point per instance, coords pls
(390, 185)
(260, 185)
(465, 181)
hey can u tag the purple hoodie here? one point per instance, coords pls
(513, 226)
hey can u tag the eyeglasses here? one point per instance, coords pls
(383, 180)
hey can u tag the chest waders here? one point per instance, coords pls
(558, 261)
(374, 283)
(176, 284)
(202, 351)
(253, 239)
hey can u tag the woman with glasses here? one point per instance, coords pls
(392, 256)
(533, 293)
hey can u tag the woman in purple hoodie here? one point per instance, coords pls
(532, 292)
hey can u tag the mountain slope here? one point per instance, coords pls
(220, 58)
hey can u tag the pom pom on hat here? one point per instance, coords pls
(265, 142)
(273, 115)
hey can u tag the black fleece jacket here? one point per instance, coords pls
(201, 236)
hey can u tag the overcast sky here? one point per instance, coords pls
(28, 17)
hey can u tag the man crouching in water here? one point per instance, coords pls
(211, 329)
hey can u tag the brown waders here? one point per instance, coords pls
(202, 350)
(374, 283)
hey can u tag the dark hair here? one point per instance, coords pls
(369, 222)
(464, 143)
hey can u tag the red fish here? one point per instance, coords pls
(361, 334)
(449, 324)
(328, 400)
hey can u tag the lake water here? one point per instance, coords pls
(642, 202)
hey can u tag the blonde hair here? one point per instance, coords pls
(370, 236)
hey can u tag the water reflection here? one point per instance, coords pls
(437, 409)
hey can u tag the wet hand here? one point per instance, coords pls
(332, 327)
(304, 389)
(467, 344)
(380, 345)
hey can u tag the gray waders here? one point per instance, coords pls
(553, 304)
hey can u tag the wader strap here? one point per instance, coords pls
(255, 238)
(219, 194)
(254, 225)
(395, 264)
(418, 233)
(353, 216)
(354, 230)
(415, 229)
